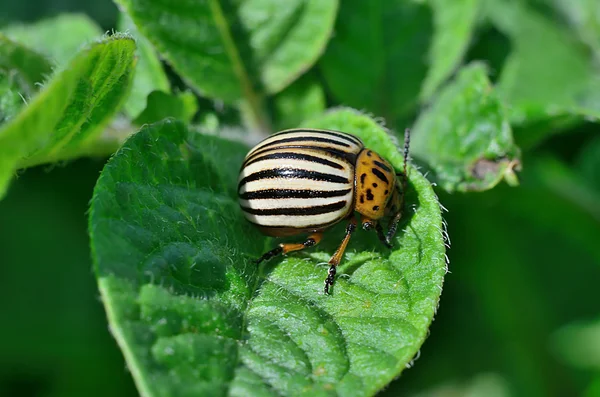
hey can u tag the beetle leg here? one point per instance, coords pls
(368, 224)
(311, 241)
(382, 237)
(396, 216)
(337, 257)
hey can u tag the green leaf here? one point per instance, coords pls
(302, 100)
(65, 118)
(11, 100)
(59, 37)
(454, 23)
(588, 164)
(559, 81)
(194, 316)
(182, 106)
(465, 138)
(375, 60)
(149, 73)
(578, 344)
(584, 17)
(29, 67)
(237, 50)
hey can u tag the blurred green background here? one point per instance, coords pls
(524, 262)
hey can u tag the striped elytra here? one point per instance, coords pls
(303, 181)
(299, 180)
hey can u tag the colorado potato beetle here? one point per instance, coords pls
(303, 181)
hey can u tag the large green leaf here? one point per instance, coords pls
(465, 138)
(59, 37)
(377, 59)
(454, 22)
(194, 315)
(234, 50)
(149, 73)
(65, 118)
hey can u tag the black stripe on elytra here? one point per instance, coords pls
(291, 193)
(339, 134)
(382, 165)
(292, 173)
(304, 139)
(337, 153)
(295, 156)
(380, 175)
(298, 211)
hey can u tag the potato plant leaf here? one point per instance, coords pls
(181, 106)
(534, 91)
(302, 100)
(149, 73)
(27, 66)
(59, 38)
(237, 50)
(64, 119)
(377, 59)
(465, 138)
(454, 23)
(194, 315)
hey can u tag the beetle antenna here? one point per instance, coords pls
(405, 171)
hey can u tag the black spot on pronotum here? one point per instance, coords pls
(386, 191)
(380, 175)
(369, 153)
(370, 196)
(362, 198)
(374, 185)
(362, 179)
(375, 208)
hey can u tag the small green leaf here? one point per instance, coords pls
(182, 106)
(559, 81)
(68, 114)
(149, 73)
(193, 314)
(454, 23)
(302, 100)
(236, 50)
(465, 138)
(59, 38)
(376, 59)
(29, 67)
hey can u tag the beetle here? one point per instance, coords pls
(303, 181)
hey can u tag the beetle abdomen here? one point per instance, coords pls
(299, 180)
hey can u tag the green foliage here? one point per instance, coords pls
(237, 51)
(59, 38)
(534, 90)
(160, 105)
(149, 74)
(190, 311)
(454, 22)
(71, 110)
(194, 315)
(465, 137)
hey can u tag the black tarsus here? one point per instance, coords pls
(269, 254)
(382, 237)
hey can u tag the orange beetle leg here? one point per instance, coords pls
(311, 241)
(337, 257)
